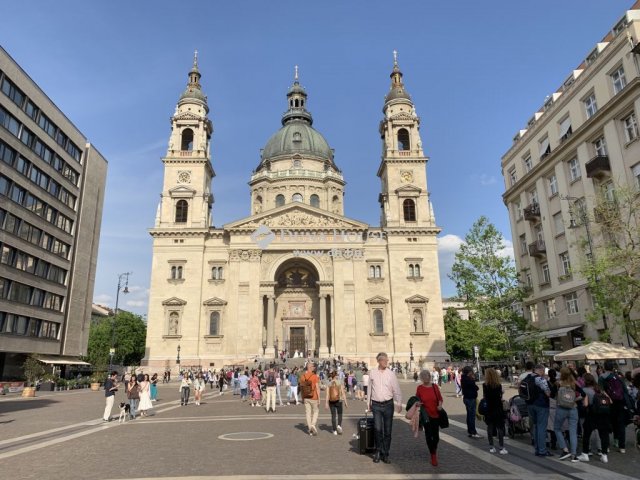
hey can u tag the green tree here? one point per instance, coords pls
(130, 334)
(611, 257)
(486, 278)
(461, 336)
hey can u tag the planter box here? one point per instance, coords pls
(47, 387)
(95, 387)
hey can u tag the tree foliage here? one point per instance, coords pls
(487, 279)
(129, 340)
(611, 258)
(461, 336)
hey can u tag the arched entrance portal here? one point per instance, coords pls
(299, 309)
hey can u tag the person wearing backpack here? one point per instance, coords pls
(469, 397)
(611, 383)
(538, 407)
(336, 398)
(310, 392)
(567, 409)
(271, 384)
(598, 410)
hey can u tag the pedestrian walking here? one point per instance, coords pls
(133, 395)
(614, 386)
(154, 387)
(293, 386)
(384, 395)
(243, 383)
(495, 415)
(538, 408)
(431, 399)
(110, 389)
(185, 390)
(221, 381)
(596, 419)
(470, 398)
(255, 389)
(566, 409)
(145, 396)
(271, 384)
(198, 387)
(310, 390)
(335, 400)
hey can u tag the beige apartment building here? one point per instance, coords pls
(51, 194)
(296, 274)
(572, 153)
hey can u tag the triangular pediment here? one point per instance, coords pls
(297, 216)
(174, 302)
(417, 299)
(403, 116)
(377, 299)
(408, 189)
(214, 301)
(187, 116)
(182, 191)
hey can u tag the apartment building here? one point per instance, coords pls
(573, 151)
(51, 195)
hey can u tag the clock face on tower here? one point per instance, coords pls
(406, 177)
(297, 309)
(184, 177)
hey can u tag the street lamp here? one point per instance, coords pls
(411, 356)
(112, 350)
(178, 359)
(275, 347)
(584, 219)
(264, 347)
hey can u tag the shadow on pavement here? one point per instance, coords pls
(17, 405)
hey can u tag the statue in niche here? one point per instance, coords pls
(173, 323)
(417, 321)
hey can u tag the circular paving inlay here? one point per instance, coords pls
(245, 436)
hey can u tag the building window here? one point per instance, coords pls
(553, 185)
(546, 275)
(523, 244)
(517, 207)
(216, 273)
(600, 147)
(608, 191)
(590, 105)
(559, 223)
(565, 129)
(545, 147)
(618, 79)
(375, 271)
(378, 321)
(214, 323)
(533, 312)
(279, 200)
(403, 139)
(574, 169)
(187, 140)
(176, 272)
(513, 178)
(550, 308)
(571, 301)
(528, 279)
(533, 197)
(635, 170)
(565, 263)
(414, 270)
(409, 210)
(528, 163)
(182, 209)
(297, 197)
(630, 126)
(314, 200)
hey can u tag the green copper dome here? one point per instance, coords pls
(297, 136)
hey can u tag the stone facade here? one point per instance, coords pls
(296, 274)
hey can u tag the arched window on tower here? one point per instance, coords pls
(214, 323)
(279, 200)
(378, 321)
(409, 210)
(410, 273)
(416, 270)
(187, 139)
(182, 210)
(297, 197)
(335, 204)
(315, 201)
(296, 103)
(403, 139)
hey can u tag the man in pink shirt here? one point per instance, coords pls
(383, 394)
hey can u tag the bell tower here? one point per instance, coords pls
(404, 198)
(186, 197)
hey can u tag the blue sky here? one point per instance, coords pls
(477, 71)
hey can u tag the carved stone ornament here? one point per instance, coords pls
(245, 255)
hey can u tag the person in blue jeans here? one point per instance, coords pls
(469, 398)
(539, 412)
(569, 413)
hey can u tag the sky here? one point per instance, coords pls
(476, 71)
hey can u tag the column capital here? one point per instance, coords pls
(322, 296)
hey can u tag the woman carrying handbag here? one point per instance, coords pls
(495, 414)
(431, 400)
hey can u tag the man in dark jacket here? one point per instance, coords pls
(539, 412)
(469, 398)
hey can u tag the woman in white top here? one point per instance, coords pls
(145, 396)
(198, 388)
(365, 383)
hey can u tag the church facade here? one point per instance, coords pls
(296, 274)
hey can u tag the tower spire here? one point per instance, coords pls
(397, 86)
(295, 75)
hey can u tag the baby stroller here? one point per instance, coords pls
(517, 417)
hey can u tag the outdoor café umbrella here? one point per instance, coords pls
(598, 351)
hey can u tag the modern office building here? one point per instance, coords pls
(51, 194)
(562, 165)
(296, 274)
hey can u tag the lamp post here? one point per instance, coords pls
(178, 359)
(584, 219)
(264, 347)
(411, 356)
(275, 348)
(125, 290)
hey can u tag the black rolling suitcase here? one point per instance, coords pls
(366, 436)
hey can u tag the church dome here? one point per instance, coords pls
(297, 136)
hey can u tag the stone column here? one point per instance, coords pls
(271, 321)
(324, 350)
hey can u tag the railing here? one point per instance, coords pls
(296, 172)
(598, 166)
(532, 212)
(537, 248)
(186, 153)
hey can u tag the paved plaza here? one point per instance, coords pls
(61, 435)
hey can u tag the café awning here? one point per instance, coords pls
(556, 332)
(598, 351)
(61, 360)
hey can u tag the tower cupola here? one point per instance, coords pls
(297, 100)
(397, 90)
(193, 93)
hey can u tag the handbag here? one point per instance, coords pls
(443, 419)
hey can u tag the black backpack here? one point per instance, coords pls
(528, 389)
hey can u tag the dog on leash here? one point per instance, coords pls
(125, 410)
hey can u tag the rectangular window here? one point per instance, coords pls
(565, 129)
(553, 185)
(608, 191)
(528, 279)
(47, 125)
(630, 126)
(533, 311)
(545, 147)
(571, 301)
(517, 207)
(558, 223)
(574, 169)
(550, 308)
(600, 147)
(31, 110)
(619, 80)
(528, 163)
(546, 275)
(565, 263)
(635, 170)
(513, 178)
(523, 244)
(13, 92)
(590, 105)
(533, 196)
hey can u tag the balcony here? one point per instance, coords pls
(532, 212)
(537, 249)
(598, 166)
